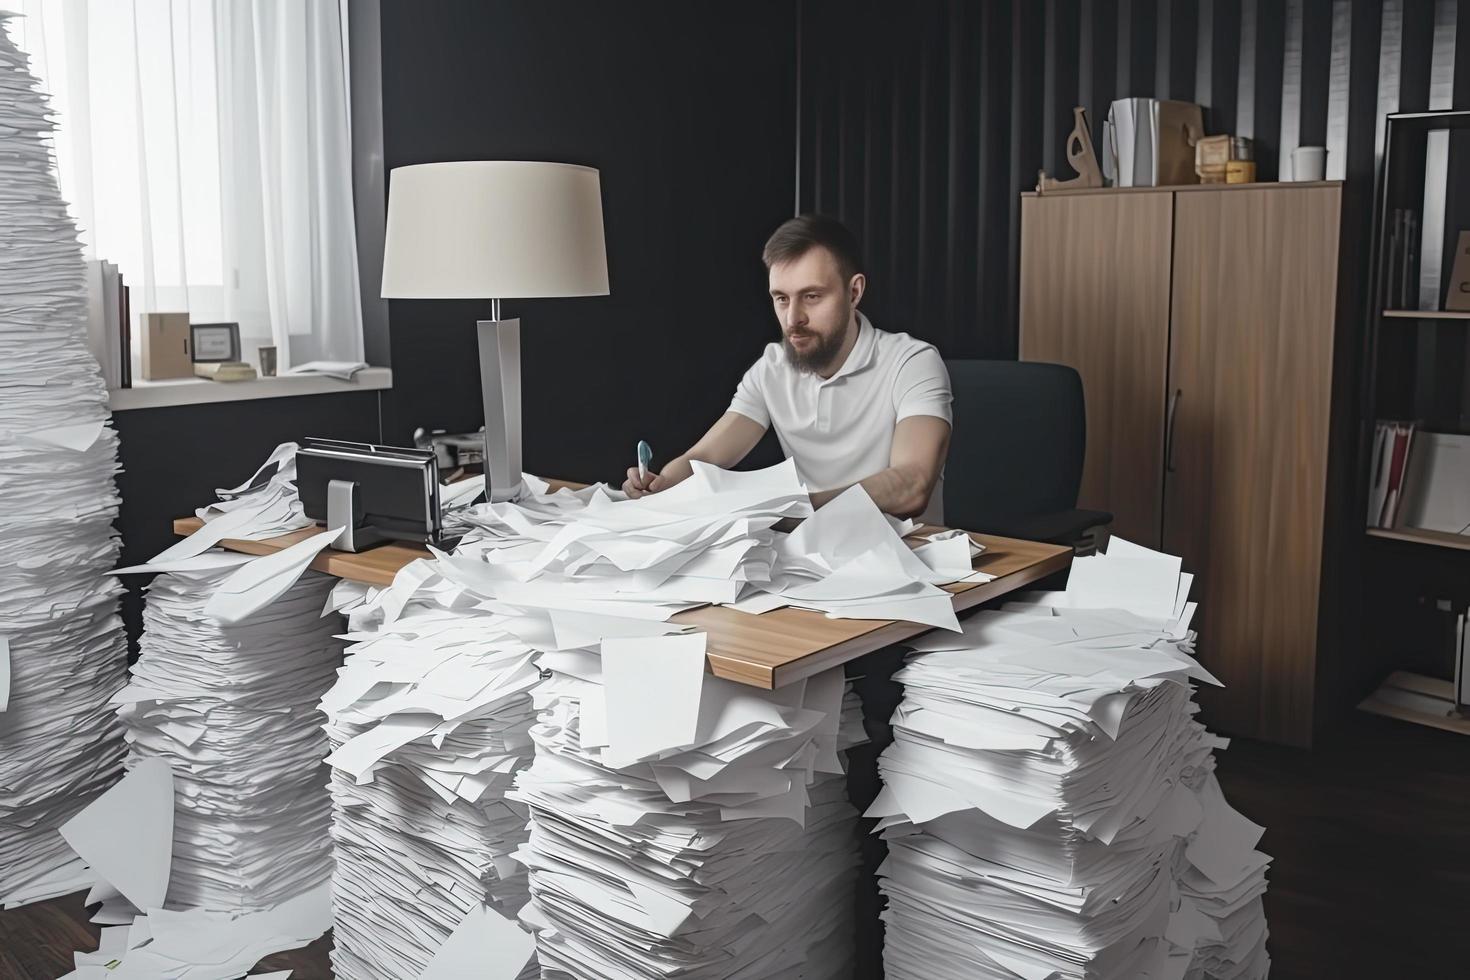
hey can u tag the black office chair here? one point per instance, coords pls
(1015, 456)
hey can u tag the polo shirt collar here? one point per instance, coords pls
(861, 355)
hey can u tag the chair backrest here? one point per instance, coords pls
(1020, 431)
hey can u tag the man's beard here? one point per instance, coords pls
(821, 354)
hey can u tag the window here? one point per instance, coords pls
(204, 148)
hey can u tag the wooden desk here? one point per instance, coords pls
(765, 651)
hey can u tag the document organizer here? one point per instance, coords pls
(376, 493)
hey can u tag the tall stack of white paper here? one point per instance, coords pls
(681, 824)
(727, 854)
(409, 863)
(233, 709)
(429, 720)
(1049, 801)
(62, 650)
(714, 841)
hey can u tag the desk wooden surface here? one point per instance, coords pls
(766, 651)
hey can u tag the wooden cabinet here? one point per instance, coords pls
(1111, 323)
(1203, 323)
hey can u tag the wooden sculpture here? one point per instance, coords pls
(1080, 155)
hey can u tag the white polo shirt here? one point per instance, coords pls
(840, 429)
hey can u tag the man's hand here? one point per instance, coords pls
(726, 443)
(637, 485)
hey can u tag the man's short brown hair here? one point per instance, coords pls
(801, 234)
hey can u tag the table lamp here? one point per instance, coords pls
(495, 229)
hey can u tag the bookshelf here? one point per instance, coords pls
(1439, 539)
(1418, 699)
(1416, 366)
(1425, 315)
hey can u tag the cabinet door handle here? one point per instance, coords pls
(1169, 426)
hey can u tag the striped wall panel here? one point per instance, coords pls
(921, 121)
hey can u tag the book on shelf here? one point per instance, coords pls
(1435, 493)
(1399, 291)
(1462, 668)
(1392, 445)
(1408, 298)
(1389, 270)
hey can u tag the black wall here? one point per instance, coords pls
(688, 112)
(917, 122)
(922, 121)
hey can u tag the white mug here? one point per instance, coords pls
(1309, 163)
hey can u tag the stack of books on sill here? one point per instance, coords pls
(1419, 479)
(109, 313)
(225, 371)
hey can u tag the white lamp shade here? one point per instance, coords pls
(494, 229)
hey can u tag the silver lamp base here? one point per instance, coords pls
(500, 387)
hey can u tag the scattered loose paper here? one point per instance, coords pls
(126, 835)
(485, 946)
(196, 944)
(257, 584)
(641, 673)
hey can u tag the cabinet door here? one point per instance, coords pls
(1095, 296)
(1255, 275)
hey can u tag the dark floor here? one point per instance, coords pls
(1371, 834)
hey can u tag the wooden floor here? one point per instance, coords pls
(1371, 835)
(1371, 838)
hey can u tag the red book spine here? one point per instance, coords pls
(1395, 475)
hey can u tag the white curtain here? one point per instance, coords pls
(204, 146)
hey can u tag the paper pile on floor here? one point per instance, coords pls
(688, 826)
(1049, 802)
(428, 720)
(732, 830)
(233, 710)
(126, 836)
(62, 651)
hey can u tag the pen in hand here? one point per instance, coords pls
(645, 458)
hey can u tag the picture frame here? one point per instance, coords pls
(1457, 294)
(213, 343)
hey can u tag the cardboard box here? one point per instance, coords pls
(166, 346)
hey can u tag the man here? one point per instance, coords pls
(849, 402)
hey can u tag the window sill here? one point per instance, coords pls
(201, 391)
